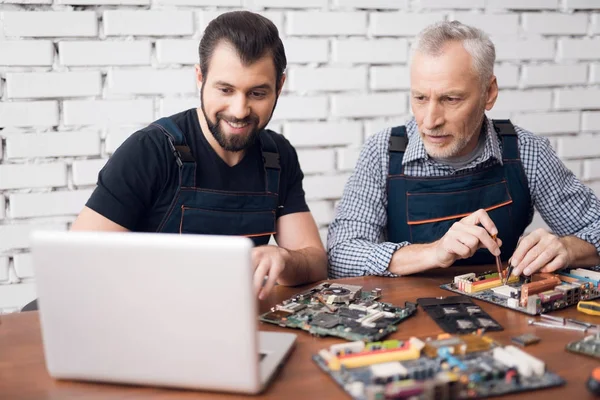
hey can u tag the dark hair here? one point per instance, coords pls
(251, 35)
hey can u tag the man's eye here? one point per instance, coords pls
(419, 98)
(453, 99)
(258, 95)
(225, 90)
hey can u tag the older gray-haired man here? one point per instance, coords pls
(434, 193)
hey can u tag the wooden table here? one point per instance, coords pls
(23, 373)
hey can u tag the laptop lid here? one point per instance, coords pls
(145, 308)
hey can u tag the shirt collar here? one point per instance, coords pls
(415, 150)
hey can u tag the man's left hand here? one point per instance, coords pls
(540, 251)
(269, 261)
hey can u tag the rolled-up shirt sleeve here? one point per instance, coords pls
(568, 206)
(356, 238)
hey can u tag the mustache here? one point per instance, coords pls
(435, 133)
(249, 119)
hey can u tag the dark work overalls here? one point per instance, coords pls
(216, 212)
(422, 209)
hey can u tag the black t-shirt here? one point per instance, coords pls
(137, 184)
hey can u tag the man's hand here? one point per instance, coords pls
(540, 251)
(465, 237)
(268, 261)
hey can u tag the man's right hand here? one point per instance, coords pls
(465, 237)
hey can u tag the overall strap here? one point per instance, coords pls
(397, 147)
(270, 156)
(180, 149)
(510, 140)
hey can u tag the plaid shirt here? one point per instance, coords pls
(357, 243)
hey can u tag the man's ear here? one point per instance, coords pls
(281, 82)
(492, 93)
(199, 77)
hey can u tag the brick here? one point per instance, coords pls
(27, 2)
(274, 16)
(523, 4)
(109, 52)
(177, 51)
(85, 172)
(21, 85)
(492, 24)
(591, 169)
(60, 144)
(347, 158)
(324, 187)
(555, 24)
(579, 147)
(22, 176)
(379, 124)
(148, 23)
(176, 81)
(582, 5)
(104, 2)
(327, 79)
(32, 205)
(554, 75)
(288, 3)
(313, 23)
(401, 23)
(116, 137)
(575, 167)
(301, 107)
(449, 4)
(17, 295)
(590, 121)
(372, 51)
(595, 24)
(595, 73)
(3, 270)
(306, 50)
(311, 134)
(16, 236)
(23, 264)
(538, 100)
(372, 4)
(369, 105)
(2, 207)
(26, 52)
(222, 3)
(28, 113)
(49, 23)
(507, 75)
(578, 98)
(322, 211)
(595, 186)
(528, 49)
(549, 122)
(107, 112)
(316, 161)
(579, 49)
(388, 78)
(170, 106)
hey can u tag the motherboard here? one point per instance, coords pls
(345, 311)
(446, 367)
(540, 293)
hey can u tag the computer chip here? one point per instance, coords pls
(525, 339)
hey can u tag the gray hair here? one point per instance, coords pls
(476, 42)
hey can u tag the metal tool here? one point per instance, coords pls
(589, 307)
(498, 262)
(551, 325)
(564, 323)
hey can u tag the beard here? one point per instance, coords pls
(452, 149)
(233, 143)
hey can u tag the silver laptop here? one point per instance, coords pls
(153, 309)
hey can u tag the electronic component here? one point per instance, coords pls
(589, 307)
(593, 382)
(446, 367)
(539, 293)
(458, 314)
(589, 346)
(525, 339)
(345, 311)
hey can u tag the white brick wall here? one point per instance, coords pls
(77, 77)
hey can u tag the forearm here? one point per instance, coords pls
(303, 266)
(412, 259)
(581, 253)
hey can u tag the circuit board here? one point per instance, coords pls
(541, 293)
(345, 311)
(446, 367)
(589, 346)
